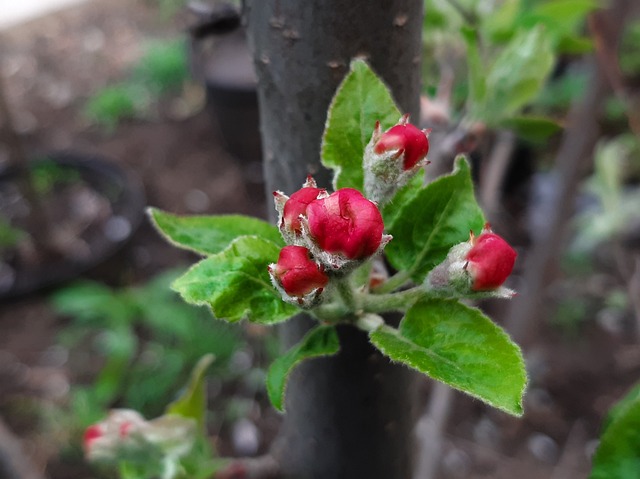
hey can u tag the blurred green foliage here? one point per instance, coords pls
(501, 55)
(147, 340)
(162, 70)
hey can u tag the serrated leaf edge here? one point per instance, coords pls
(278, 401)
(498, 329)
(246, 313)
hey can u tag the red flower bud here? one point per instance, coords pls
(296, 272)
(411, 142)
(346, 223)
(296, 205)
(490, 261)
(92, 433)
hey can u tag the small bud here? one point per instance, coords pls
(297, 276)
(392, 158)
(125, 433)
(344, 228)
(409, 143)
(290, 209)
(92, 433)
(104, 439)
(490, 261)
(480, 265)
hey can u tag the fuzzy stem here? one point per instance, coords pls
(382, 303)
(396, 281)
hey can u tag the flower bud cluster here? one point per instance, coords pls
(482, 264)
(125, 433)
(392, 158)
(328, 235)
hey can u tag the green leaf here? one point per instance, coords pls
(461, 347)
(516, 76)
(235, 283)
(210, 234)
(321, 341)
(575, 45)
(192, 403)
(618, 410)
(361, 100)
(477, 69)
(618, 455)
(437, 218)
(532, 128)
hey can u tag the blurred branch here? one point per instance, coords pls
(430, 430)
(14, 464)
(572, 159)
(494, 172)
(606, 33)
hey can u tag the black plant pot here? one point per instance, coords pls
(118, 188)
(220, 58)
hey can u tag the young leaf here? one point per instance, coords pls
(516, 76)
(320, 341)
(477, 70)
(532, 128)
(210, 234)
(235, 283)
(618, 454)
(437, 218)
(461, 347)
(361, 100)
(192, 403)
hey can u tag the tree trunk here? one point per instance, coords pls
(351, 415)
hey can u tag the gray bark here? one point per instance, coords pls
(350, 415)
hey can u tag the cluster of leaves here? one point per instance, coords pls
(161, 70)
(511, 49)
(147, 351)
(147, 460)
(615, 205)
(440, 337)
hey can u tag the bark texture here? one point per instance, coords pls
(351, 415)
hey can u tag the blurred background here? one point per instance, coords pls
(109, 106)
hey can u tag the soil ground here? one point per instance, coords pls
(53, 64)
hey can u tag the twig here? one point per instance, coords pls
(14, 464)
(430, 430)
(606, 35)
(571, 161)
(569, 461)
(494, 172)
(573, 157)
